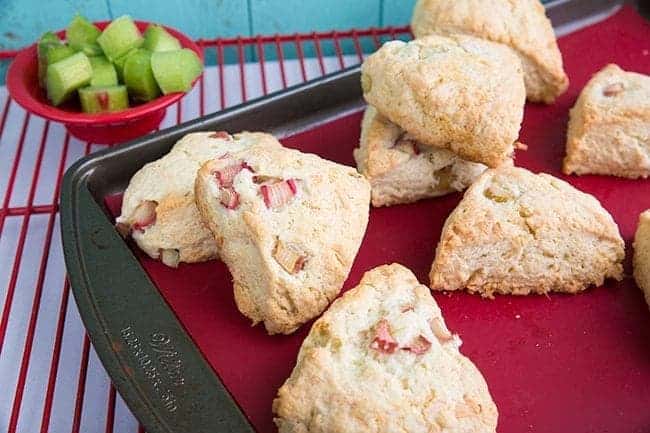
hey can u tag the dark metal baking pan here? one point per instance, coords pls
(153, 362)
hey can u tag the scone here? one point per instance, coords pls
(641, 260)
(521, 25)
(288, 225)
(381, 359)
(400, 170)
(158, 208)
(457, 93)
(609, 127)
(515, 232)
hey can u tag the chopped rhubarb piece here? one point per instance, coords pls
(227, 175)
(170, 257)
(292, 186)
(419, 345)
(383, 341)
(123, 229)
(439, 330)
(229, 198)
(220, 134)
(613, 89)
(102, 100)
(288, 257)
(279, 193)
(144, 215)
(225, 156)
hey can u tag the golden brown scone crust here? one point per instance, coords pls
(458, 93)
(400, 170)
(516, 232)
(323, 224)
(609, 127)
(341, 384)
(642, 255)
(520, 24)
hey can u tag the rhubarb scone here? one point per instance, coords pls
(521, 25)
(641, 260)
(288, 225)
(381, 359)
(401, 170)
(158, 208)
(515, 232)
(609, 126)
(458, 93)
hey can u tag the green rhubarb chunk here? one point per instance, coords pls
(49, 37)
(119, 37)
(92, 49)
(80, 32)
(66, 76)
(139, 78)
(119, 65)
(156, 38)
(48, 53)
(104, 73)
(102, 99)
(175, 71)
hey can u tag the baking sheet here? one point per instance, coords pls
(553, 363)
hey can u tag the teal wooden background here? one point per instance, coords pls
(22, 21)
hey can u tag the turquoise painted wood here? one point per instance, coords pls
(397, 12)
(288, 16)
(23, 21)
(197, 18)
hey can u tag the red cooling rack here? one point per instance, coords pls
(50, 378)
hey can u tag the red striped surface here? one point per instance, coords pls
(54, 151)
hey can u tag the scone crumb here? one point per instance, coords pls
(223, 135)
(419, 345)
(288, 257)
(442, 334)
(613, 89)
(170, 257)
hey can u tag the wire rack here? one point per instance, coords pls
(50, 378)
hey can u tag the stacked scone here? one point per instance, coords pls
(287, 224)
(158, 207)
(441, 110)
(445, 112)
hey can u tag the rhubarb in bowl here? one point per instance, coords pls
(25, 86)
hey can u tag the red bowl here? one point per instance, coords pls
(107, 128)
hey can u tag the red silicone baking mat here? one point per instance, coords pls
(553, 363)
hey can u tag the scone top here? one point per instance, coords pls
(381, 359)
(288, 224)
(521, 25)
(458, 92)
(516, 232)
(615, 92)
(609, 126)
